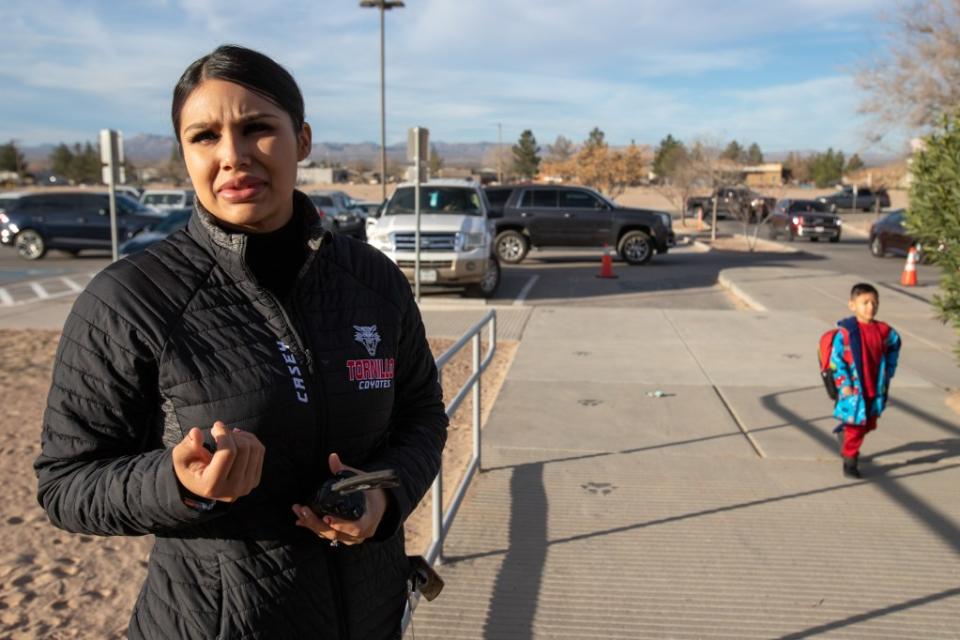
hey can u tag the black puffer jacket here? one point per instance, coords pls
(181, 336)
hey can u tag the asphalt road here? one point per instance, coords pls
(684, 278)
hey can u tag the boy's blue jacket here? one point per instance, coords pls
(846, 363)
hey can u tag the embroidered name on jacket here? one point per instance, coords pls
(370, 373)
(291, 361)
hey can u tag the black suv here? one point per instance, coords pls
(534, 215)
(71, 221)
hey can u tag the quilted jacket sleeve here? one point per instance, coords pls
(892, 354)
(842, 372)
(419, 428)
(102, 468)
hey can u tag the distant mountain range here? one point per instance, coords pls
(150, 149)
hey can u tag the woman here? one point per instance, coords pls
(285, 349)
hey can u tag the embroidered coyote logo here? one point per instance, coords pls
(368, 337)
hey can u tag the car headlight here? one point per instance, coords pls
(469, 241)
(3, 218)
(382, 241)
(839, 221)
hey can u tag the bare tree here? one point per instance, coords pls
(918, 80)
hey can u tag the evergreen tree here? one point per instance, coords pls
(670, 154)
(11, 159)
(526, 161)
(934, 214)
(854, 164)
(733, 152)
(754, 155)
(88, 166)
(826, 168)
(61, 160)
(436, 162)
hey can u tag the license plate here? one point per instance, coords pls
(818, 229)
(428, 276)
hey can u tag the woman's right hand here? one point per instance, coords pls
(230, 473)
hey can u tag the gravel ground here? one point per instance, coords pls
(55, 584)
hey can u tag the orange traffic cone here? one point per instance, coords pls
(909, 276)
(606, 264)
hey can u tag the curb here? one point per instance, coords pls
(701, 247)
(735, 289)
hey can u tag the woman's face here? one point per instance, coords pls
(241, 152)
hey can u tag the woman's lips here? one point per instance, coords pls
(245, 193)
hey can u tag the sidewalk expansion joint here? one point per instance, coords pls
(729, 407)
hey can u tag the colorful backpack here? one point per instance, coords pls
(823, 355)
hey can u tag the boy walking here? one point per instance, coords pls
(863, 360)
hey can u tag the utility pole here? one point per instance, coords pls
(383, 6)
(499, 153)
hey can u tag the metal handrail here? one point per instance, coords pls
(441, 521)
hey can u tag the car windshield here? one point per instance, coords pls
(440, 200)
(321, 201)
(128, 205)
(808, 205)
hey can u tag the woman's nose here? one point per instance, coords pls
(233, 150)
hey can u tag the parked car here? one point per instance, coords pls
(456, 236)
(71, 221)
(338, 209)
(176, 219)
(497, 197)
(732, 202)
(163, 199)
(862, 198)
(804, 219)
(569, 216)
(888, 235)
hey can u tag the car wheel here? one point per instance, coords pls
(636, 247)
(511, 246)
(877, 248)
(30, 245)
(488, 285)
(791, 236)
(814, 239)
(835, 238)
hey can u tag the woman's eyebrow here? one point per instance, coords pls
(250, 117)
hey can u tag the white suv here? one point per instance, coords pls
(456, 236)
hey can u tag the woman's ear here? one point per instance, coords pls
(304, 142)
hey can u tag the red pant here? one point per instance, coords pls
(853, 435)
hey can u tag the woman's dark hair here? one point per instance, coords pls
(245, 67)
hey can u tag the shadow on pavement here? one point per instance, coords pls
(510, 613)
(937, 523)
(871, 615)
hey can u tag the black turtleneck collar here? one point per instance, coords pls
(275, 258)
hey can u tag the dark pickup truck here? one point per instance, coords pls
(850, 198)
(736, 202)
(567, 216)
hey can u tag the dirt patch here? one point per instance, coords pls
(55, 584)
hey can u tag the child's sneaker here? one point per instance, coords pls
(850, 468)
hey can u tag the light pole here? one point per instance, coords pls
(383, 5)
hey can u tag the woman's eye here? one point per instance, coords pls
(202, 137)
(255, 127)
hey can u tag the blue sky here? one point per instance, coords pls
(774, 72)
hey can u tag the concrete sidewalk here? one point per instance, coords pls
(715, 511)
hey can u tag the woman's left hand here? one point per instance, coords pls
(345, 531)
